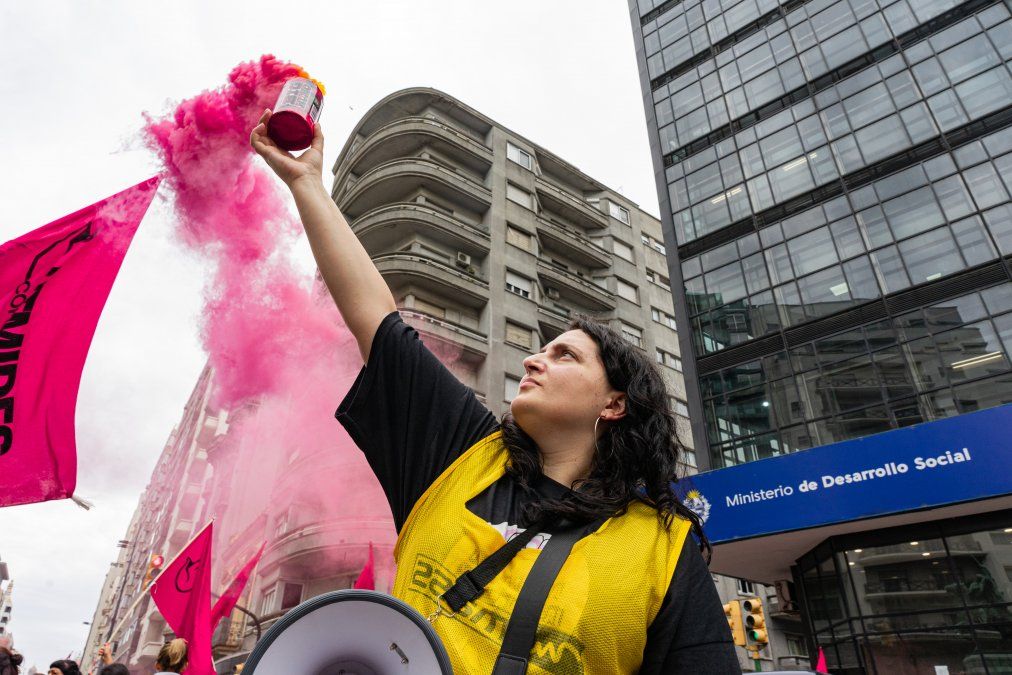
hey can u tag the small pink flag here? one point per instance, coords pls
(223, 607)
(54, 282)
(183, 595)
(366, 578)
(820, 665)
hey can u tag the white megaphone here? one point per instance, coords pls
(350, 632)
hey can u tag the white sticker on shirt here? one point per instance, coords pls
(509, 531)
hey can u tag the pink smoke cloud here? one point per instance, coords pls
(281, 355)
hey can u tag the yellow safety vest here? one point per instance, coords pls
(598, 612)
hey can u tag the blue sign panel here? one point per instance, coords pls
(953, 460)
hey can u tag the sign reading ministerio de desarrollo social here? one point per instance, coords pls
(957, 459)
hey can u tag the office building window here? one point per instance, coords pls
(745, 587)
(291, 596)
(632, 334)
(518, 285)
(618, 212)
(663, 318)
(267, 602)
(518, 156)
(510, 388)
(518, 238)
(668, 359)
(796, 645)
(650, 242)
(518, 335)
(627, 291)
(622, 250)
(520, 196)
(659, 279)
(680, 407)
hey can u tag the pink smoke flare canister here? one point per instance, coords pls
(296, 113)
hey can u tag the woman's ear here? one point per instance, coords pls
(615, 410)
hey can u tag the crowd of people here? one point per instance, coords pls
(172, 658)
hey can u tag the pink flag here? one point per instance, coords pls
(227, 601)
(54, 282)
(183, 595)
(820, 666)
(366, 578)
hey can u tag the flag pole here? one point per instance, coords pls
(130, 610)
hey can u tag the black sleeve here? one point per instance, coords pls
(690, 634)
(409, 415)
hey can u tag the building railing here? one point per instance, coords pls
(468, 142)
(428, 318)
(483, 192)
(451, 221)
(562, 195)
(589, 286)
(576, 239)
(476, 277)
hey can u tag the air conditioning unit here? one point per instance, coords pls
(463, 259)
(552, 293)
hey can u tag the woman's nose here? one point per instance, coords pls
(533, 362)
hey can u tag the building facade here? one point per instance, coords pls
(491, 243)
(6, 609)
(834, 179)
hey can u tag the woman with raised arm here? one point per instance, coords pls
(550, 540)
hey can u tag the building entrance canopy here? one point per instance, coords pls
(762, 516)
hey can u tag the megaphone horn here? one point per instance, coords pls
(350, 632)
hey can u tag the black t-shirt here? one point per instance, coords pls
(412, 418)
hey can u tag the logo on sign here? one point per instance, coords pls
(698, 504)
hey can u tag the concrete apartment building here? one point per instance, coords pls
(6, 609)
(169, 512)
(491, 242)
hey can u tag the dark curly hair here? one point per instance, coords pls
(636, 458)
(66, 666)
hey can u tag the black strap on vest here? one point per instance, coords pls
(472, 583)
(522, 628)
(523, 624)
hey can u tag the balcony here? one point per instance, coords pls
(406, 137)
(577, 289)
(181, 532)
(405, 269)
(570, 206)
(470, 340)
(906, 587)
(397, 180)
(150, 650)
(552, 321)
(382, 228)
(574, 245)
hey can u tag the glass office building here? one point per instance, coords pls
(836, 175)
(834, 179)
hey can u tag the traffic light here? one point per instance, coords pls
(154, 567)
(732, 610)
(755, 621)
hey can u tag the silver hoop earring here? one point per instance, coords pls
(611, 453)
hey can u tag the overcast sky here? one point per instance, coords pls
(76, 78)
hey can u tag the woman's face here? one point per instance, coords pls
(565, 385)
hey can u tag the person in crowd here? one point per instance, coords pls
(10, 661)
(172, 657)
(64, 667)
(106, 665)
